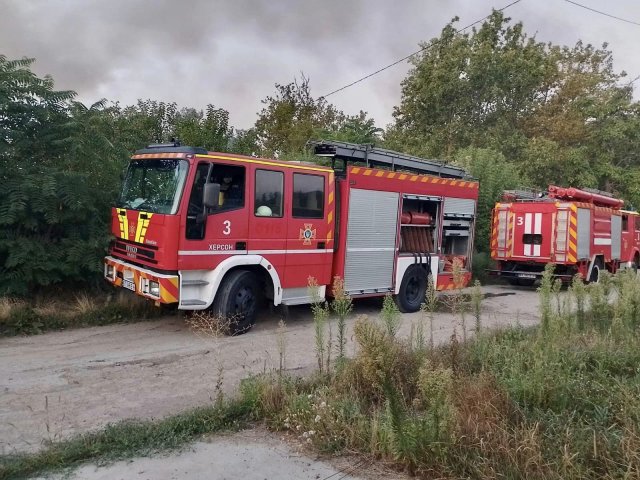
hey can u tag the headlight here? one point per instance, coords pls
(154, 288)
(109, 271)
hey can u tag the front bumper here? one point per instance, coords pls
(525, 274)
(146, 283)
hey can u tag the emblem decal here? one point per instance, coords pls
(307, 234)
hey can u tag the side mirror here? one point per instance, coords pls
(210, 195)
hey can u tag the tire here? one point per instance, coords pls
(594, 277)
(237, 300)
(412, 289)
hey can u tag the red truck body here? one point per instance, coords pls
(282, 223)
(580, 232)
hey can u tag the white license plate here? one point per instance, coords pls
(526, 275)
(129, 285)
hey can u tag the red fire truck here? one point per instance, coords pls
(580, 231)
(203, 230)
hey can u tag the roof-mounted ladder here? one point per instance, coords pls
(379, 157)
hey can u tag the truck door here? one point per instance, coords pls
(307, 241)
(267, 219)
(225, 229)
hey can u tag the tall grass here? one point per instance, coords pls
(561, 400)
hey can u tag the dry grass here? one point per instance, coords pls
(8, 305)
(205, 324)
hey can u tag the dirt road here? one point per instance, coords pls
(62, 383)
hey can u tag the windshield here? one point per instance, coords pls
(154, 185)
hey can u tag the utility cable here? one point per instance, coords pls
(602, 13)
(427, 47)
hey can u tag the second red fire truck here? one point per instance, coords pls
(203, 230)
(579, 231)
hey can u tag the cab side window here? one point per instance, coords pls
(308, 196)
(232, 182)
(269, 193)
(232, 194)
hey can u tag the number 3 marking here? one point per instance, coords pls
(520, 221)
(227, 227)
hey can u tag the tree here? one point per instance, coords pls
(494, 174)
(559, 114)
(355, 129)
(292, 117)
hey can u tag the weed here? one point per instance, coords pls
(545, 292)
(320, 310)
(282, 346)
(342, 307)
(390, 315)
(476, 305)
(429, 307)
(206, 324)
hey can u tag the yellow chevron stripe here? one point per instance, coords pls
(329, 235)
(572, 246)
(413, 178)
(143, 224)
(453, 182)
(123, 222)
(391, 175)
(424, 179)
(402, 176)
(330, 217)
(355, 170)
(331, 197)
(368, 172)
(379, 173)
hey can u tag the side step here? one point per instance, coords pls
(194, 283)
(192, 303)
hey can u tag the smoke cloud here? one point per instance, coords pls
(232, 53)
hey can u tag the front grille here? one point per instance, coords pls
(134, 250)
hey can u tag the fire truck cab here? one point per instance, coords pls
(204, 230)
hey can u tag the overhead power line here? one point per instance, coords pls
(427, 47)
(634, 80)
(602, 13)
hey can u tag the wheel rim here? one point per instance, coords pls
(413, 289)
(244, 302)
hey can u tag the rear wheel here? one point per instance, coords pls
(237, 301)
(594, 276)
(412, 289)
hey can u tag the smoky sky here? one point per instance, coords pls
(231, 53)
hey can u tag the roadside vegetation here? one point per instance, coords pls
(560, 400)
(48, 312)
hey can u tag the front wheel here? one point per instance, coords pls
(237, 301)
(412, 289)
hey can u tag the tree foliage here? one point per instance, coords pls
(559, 114)
(60, 169)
